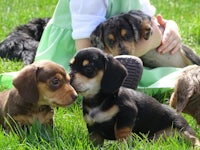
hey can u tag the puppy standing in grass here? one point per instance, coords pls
(113, 112)
(38, 88)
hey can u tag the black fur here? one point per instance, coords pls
(110, 114)
(22, 42)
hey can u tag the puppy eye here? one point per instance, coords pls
(111, 42)
(127, 37)
(55, 81)
(88, 69)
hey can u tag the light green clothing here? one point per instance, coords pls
(57, 45)
(114, 9)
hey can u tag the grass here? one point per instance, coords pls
(70, 130)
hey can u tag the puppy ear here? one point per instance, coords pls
(96, 37)
(114, 75)
(26, 84)
(135, 23)
(181, 96)
(179, 102)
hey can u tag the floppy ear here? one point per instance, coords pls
(136, 25)
(181, 96)
(114, 75)
(141, 22)
(96, 37)
(179, 102)
(26, 84)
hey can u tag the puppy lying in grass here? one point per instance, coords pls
(119, 34)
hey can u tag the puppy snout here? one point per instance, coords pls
(74, 97)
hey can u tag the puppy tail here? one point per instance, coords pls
(191, 55)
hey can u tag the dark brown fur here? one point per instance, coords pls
(114, 112)
(119, 34)
(38, 88)
(186, 96)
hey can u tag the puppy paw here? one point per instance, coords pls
(122, 133)
(96, 139)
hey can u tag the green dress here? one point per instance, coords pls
(57, 45)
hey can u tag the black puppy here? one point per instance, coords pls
(114, 112)
(22, 42)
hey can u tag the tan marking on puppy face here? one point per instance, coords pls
(111, 37)
(85, 63)
(128, 48)
(119, 46)
(60, 94)
(96, 115)
(72, 61)
(87, 87)
(123, 32)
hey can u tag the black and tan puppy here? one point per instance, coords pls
(38, 88)
(114, 112)
(119, 34)
(186, 95)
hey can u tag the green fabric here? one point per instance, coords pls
(57, 45)
(114, 9)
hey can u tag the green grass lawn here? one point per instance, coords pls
(70, 130)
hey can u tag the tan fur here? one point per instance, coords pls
(186, 95)
(38, 88)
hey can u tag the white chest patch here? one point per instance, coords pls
(96, 115)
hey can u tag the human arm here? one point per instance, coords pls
(86, 15)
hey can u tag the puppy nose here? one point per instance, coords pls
(74, 97)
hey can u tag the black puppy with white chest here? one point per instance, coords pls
(114, 112)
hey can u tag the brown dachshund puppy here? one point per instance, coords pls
(119, 34)
(113, 112)
(38, 88)
(186, 96)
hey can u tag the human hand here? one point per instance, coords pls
(171, 40)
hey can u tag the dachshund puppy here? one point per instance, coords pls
(22, 42)
(186, 95)
(38, 88)
(113, 112)
(119, 34)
